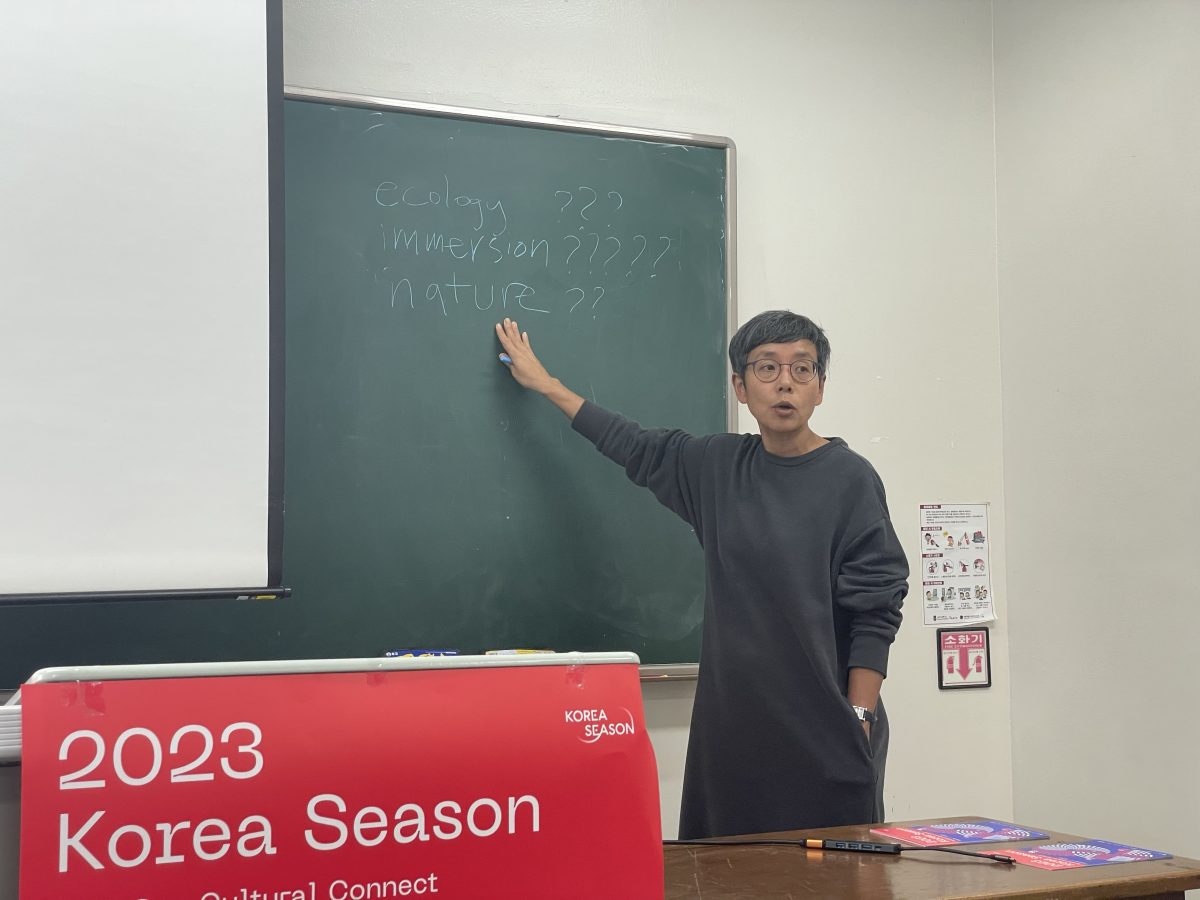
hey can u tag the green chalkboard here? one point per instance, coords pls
(430, 502)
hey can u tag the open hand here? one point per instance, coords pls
(522, 363)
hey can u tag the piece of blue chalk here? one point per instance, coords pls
(506, 359)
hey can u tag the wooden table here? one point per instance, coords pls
(758, 872)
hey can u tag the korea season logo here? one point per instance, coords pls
(594, 724)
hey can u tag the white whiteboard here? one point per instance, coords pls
(134, 295)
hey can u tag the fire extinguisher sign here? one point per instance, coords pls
(964, 658)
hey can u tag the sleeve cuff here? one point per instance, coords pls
(869, 651)
(590, 421)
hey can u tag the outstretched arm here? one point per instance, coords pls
(658, 459)
(529, 371)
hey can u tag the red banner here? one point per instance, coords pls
(515, 782)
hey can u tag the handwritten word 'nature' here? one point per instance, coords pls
(463, 293)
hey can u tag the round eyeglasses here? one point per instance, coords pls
(768, 370)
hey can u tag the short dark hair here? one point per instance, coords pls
(777, 326)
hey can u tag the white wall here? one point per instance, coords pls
(1098, 123)
(865, 199)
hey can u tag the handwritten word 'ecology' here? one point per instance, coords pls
(386, 195)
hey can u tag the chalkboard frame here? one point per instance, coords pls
(652, 672)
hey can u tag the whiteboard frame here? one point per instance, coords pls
(649, 673)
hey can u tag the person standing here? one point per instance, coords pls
(805, 579)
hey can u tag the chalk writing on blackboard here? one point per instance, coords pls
(597, 253)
